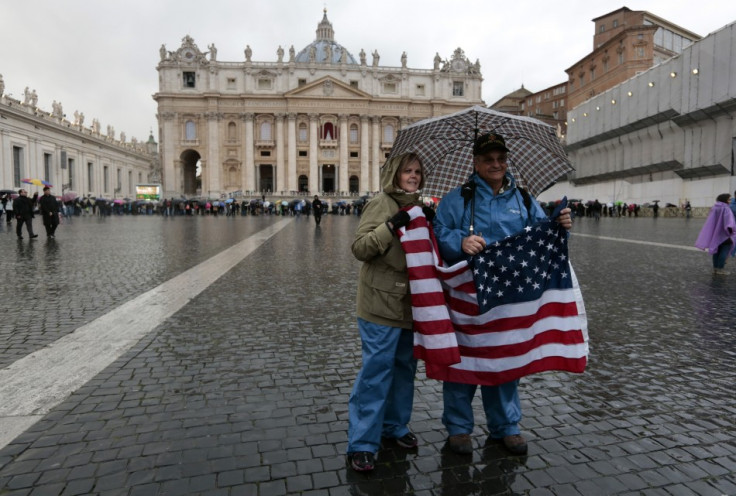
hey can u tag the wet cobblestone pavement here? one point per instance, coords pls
(244, 390)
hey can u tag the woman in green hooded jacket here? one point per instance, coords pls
(382, 398)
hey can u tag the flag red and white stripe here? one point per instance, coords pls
(509, 341)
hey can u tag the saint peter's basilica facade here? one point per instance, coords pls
(313, 121)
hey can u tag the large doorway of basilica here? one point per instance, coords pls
(303, 184)
(354, 184)
(191, 172)
(265, 177)
(328, 178)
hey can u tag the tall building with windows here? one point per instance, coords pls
(316, 120)
(626, 43)
(666, 134)
(547, 105)
(72, 156)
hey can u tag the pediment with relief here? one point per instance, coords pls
(327, 87)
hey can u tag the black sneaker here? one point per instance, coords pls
(362, 461)
(407, 441)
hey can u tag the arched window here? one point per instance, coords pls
(388, 133)
(232, 131)
(302, 132)
(190, 130)
(353, 133)
(265, 130)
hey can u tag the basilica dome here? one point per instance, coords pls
(325, 47)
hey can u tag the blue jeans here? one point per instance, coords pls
(383, 394)
(501, 404)
(719, 257)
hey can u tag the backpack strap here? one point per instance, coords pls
(526, 197)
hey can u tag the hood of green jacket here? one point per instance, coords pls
(388, 172)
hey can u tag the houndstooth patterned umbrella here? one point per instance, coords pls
(445, 146)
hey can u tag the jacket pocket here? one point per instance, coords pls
(386, 296)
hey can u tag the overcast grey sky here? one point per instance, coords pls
(99, 56)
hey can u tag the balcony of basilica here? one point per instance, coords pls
(328, 143)
(263, 143)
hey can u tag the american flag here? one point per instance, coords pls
(515, 310)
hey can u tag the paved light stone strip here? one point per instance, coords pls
(33, 385)
(635, 241)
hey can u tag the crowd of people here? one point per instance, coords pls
(23, 210)
(16, 205)
(596, 209)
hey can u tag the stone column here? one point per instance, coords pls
(280, 184)
(293, 181)
(169, 160)
(249, 173)
(365, 172)
(313, 150)
(342, 175)
(377, 159)
(213, 152)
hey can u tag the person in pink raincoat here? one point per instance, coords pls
(718, 235)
